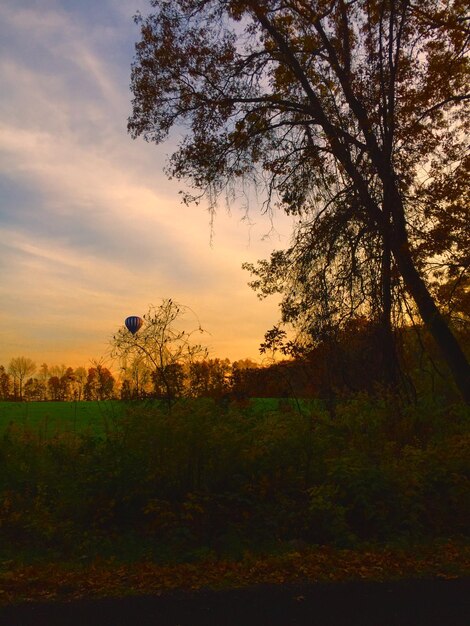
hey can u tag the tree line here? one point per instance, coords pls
(164, 360)
(23, 380)
(349, 363)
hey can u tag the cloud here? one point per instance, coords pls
(90, 228)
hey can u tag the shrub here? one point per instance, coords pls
(207, 477)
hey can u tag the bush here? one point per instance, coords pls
(211, 478)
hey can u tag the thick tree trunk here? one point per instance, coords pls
(390, 364)
(432, 318)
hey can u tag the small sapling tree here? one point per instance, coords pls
(161, 346)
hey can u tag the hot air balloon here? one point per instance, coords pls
(133, 323)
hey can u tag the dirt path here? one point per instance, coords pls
(401, 603)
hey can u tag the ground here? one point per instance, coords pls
(397, 603)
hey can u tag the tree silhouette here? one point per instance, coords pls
(161, 346)
(20, 368)
(369, 96)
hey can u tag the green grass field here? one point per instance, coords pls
(51, 418)
(95, 418)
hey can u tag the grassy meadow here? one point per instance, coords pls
(99, 418)
(52, 418)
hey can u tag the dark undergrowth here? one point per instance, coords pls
(210, 481)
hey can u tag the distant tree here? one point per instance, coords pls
(136, 377)
(80, 377)
(242, 364)
(198, 379)
(209, 378)
(60, 384)
(43, 374)
(57, 370)
(127, 393)
(34, 390)
(272, 381)
(106, 383)
(323, 101)
(20, 368)
(5, 384)
(67, 380)
(54, 386)
(161, 346)
(99, 384)
(169, 381)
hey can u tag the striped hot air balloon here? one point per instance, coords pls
(133, 323)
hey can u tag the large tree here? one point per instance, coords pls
(366, 96)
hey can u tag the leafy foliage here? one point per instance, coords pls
(223, 478)
(352, 116)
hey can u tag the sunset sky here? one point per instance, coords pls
(91, 230)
